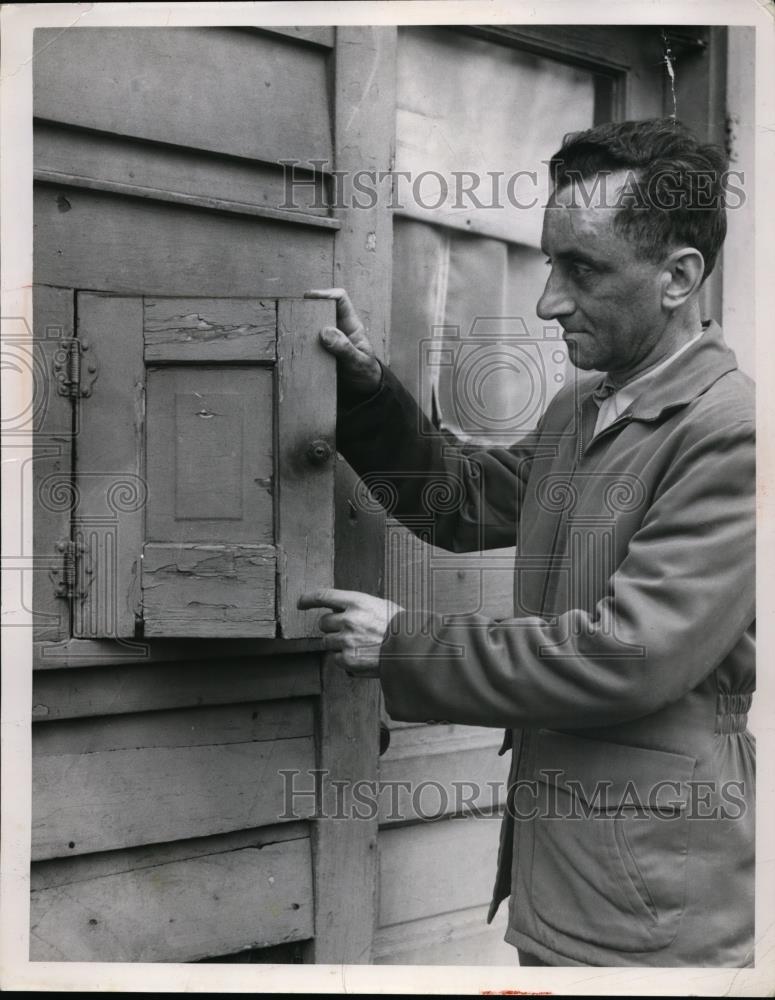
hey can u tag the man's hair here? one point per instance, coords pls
(674, 194)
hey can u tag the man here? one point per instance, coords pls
(625, 675)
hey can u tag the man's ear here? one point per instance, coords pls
(682, 276)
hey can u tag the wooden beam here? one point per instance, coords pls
(91, 691)
(200, 201)
(306, 431)
(108, 653)
(581, 45)
(346, 851)
(62, 149)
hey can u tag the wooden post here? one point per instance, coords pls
(345, 851)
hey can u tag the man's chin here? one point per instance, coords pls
(582, 361)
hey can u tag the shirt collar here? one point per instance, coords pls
(630, 391)
(703, 360)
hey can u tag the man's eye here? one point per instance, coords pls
(579, 270)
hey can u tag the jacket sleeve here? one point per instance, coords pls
(676, 605)
(458, 497)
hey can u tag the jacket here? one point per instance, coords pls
(624, 677)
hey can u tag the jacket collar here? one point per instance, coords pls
(689, 376)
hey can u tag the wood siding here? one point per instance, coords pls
(161, 824)
(160, 827)
(180, 903)
(202, 770)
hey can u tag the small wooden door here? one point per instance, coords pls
(203, 467)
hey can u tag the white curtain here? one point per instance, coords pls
(466, 339)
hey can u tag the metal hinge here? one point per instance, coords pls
(66, 582)
(74, 375)
(65, 585)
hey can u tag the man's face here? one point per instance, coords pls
(606, 299)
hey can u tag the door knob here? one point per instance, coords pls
(318, 452)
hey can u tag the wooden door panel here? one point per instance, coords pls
(223, 412)
(205, 590)
(210, 330)
(209, 455)
(306, 431)
(110, 488)
(52, 463)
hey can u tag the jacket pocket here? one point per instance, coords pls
(610, 841)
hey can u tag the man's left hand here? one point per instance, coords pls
(354, 628)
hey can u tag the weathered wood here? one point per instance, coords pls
(346, 865)
(206, 202)
(87, 867)
(460, 938)
(306, 429)
(130, 245)
(208, 590)
(436, 868)
(209, 454)
(444, 770)
(109, 512)
(167, 778)
(53, 318)
(279, 719)
(108, 653)
(129, 81)
(180, 911)
(164, 169)
(210, 330)
(91, 691)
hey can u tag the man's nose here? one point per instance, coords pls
(555, 300)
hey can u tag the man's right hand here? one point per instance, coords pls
(357, 368)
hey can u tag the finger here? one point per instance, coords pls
(338, 661)
(344, 304)
(334, 643)
(345, 311)
(325, 293)
(339, 344)
(337, 600)
(331, 623)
